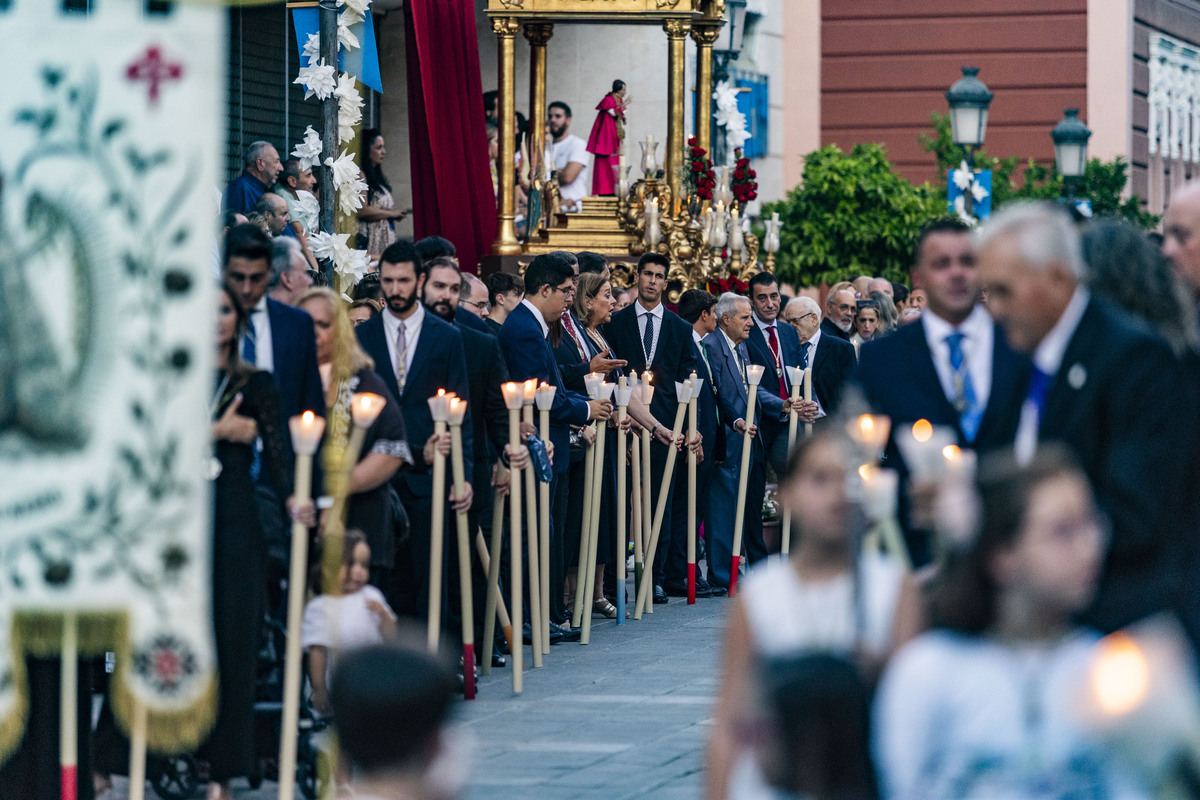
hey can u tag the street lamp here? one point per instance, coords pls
(1070, 149)
(729, 40)
(969, 99)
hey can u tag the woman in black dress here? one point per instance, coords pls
(244, 410)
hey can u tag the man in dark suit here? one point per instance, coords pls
(549, 290)
(951, 367)
(1110, 390)
(832, 359)
(728, 357)
(281, 339)
(648, 336)
(416, 353)
(774, 346)
(839, 314)
(696, 308)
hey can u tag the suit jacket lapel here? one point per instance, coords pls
(816, 355)
(1065, 387)
(926, 373)
(426, 341)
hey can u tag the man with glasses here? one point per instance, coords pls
(832, 359)
(650, 337)
(474, 296)
(839, 319)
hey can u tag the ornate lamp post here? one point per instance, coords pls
(969, 99)
(1070, 150)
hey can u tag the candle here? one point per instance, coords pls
(306, 430)
(922, 447)
(870, 433)
(529, 389)
(513, 394)
(754, 373)
(879, 492)
(545, 397)
(736, 242)
(365, 408)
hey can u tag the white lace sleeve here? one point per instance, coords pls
(393, 448)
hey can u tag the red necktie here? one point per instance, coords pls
(774, 342)
(566, 321)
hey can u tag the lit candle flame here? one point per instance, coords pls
(866, 472)
(866, 424)
(922, 430)
(441, 392)
(951, 452)
(307, 418)
(1120, 675)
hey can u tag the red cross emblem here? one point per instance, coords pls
(153, 69)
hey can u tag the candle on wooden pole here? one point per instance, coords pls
(513, 395)
(683, 392)
(808, 426)
(306, 430)
(604, 392)
(691, 511)
(624, 392)
(494, 604)
(528, 395)
(647, 515)
(137, 751)
(439, 409)
(879, 493)
(795, 377)
(754, 373)
(68, 707)
(545, 401)
(591, 384)
(635, 492)
(458, 410)
(869, 432)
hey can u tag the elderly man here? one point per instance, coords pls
(881, 285)
(274, 211)
(474, 296)
(832, 359)
(262, 166)
(839, 314)
(1181, 236)
(728, 357)
(290, 277)
(1110, 390)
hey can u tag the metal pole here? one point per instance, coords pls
(328, 13)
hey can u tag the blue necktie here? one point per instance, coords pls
(648, 337)
(249, 349)
(965, 402)
(1039, 387)
(804, 354)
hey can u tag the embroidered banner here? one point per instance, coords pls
(112, 145)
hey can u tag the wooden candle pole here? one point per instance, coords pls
(623, 393)
(531, 533)
(458, 409)
(513, 395)
(754, 373)
(647, 513)
(795, 378)
(545, 401)
(635, 507)
(597, 489)
(591, 382)
(691, 509)
(306, 431)
(439, 408)
(137, 751)
(808, 426)
(492, 566)
(644, 597)
(68, 707)
(498, 609)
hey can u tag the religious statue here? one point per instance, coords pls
(607, 139)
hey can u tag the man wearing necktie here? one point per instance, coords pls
(1110, 390)
(774, 346)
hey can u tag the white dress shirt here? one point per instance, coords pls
(978, 345)
(642, 311)
(412, 332)
(813, 341)
(1048, 358)
(537, 314)
(264, 353)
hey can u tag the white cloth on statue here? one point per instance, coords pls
(412, 332)
(1048, 358)
(342, 623)
(264, 352)
(978, 345)
(572, 150)
(968, 717)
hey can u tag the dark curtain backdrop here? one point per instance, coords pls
(451, 178)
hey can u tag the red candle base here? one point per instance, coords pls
(469, 671)
(733, 575)
(69, 777)
(691, 583)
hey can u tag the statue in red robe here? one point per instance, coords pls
(605, 141)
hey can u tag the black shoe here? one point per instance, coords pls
(660, 597)
(565, 632)
(674, 588)
(702, 588)
(499, 660)
(717, 591)
(556, 634)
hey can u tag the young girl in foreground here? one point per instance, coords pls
(981, 706)
(826, 598)
(357, 617)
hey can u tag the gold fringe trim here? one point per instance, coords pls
(39, 633)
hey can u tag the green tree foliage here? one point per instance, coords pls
(1103, 181)
(851, 215)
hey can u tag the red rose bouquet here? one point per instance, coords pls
(743, 183)
(699, 176)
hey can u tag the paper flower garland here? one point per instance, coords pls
(729, 118)
(309, 151)
(312, 47)
(318, 80)
(964, 179)
(350, 104)
(335, 247)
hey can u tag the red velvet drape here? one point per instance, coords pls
(451, 178)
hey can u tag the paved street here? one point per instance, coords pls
(624, 717)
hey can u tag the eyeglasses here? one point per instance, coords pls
(483, 305)
(795, 320)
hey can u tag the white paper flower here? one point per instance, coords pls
(350, 196)
(312, 48)
(346, 37)
(359, 7)
(353, 266)
(350, 104)
(329, 246)
(309, 151)
(308, 207)
(317, 79)
(344, 169)
(730, 118)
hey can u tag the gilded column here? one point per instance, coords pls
(704, 34)
(506, 243)
(537, 34)
(677, 32)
